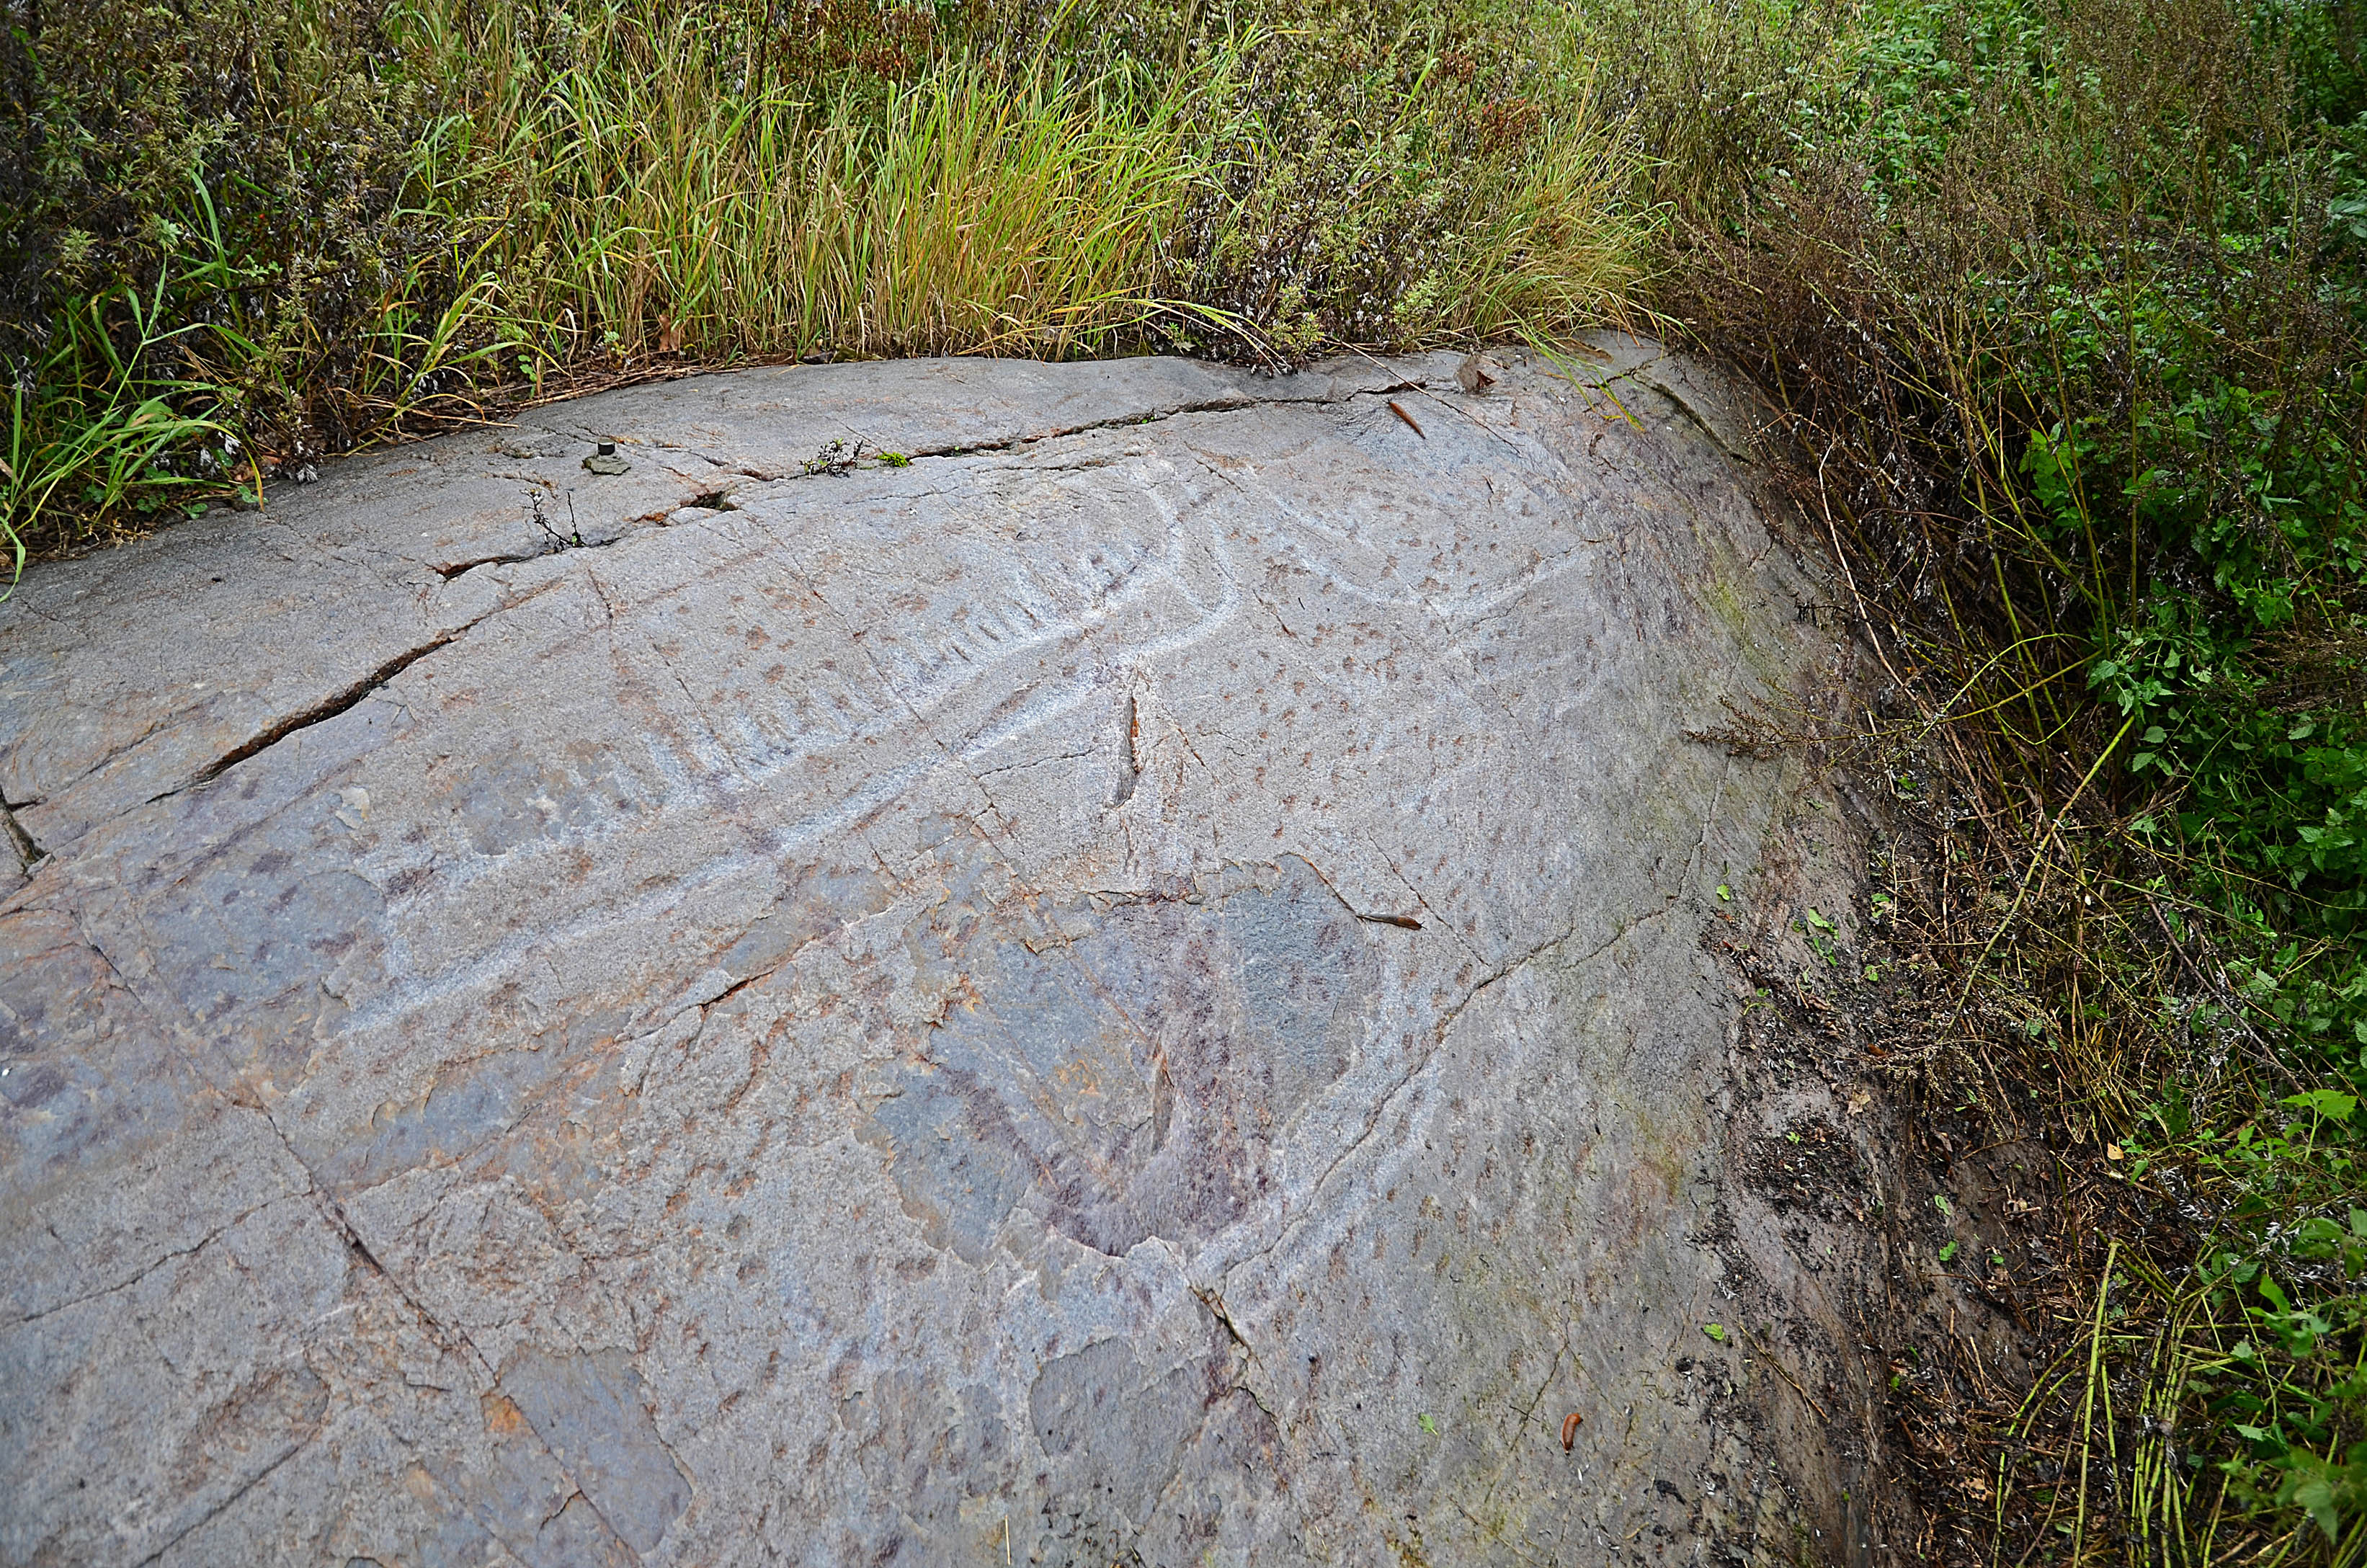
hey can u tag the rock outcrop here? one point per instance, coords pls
(1112, 968)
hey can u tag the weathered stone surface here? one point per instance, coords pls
(1133, 986)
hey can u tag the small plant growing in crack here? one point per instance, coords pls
(839, 459)
(552, 539)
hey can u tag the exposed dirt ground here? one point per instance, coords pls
(1908, 1165)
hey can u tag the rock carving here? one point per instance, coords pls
(1131, 986)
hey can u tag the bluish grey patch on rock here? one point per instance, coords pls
(954, 1157)
(1134, 1074)
(1122, 1427)
(589, 1409)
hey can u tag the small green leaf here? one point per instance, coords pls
(2331, 1104)
(2316, 1496)
(1716, 1331)
(1428, 1425)
(1940, 1201)
(1725, 893)
(1947, 1252)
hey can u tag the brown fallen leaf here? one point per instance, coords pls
(1474, 375)
(669, 333)
(1398, 409)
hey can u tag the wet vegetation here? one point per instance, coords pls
(2061, 301)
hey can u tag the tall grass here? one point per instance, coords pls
(1019, 205)
(978, 207)
(98, 427)
(606, 189)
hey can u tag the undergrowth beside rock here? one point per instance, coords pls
(2061, 306)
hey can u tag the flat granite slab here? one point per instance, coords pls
(1126, 985)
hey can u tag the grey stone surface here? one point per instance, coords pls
(1132, 987)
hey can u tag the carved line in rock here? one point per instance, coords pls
(1456, 619)
(1291, 1224)
(695, 792)
(1231, 401)
(452, 1338)
(1044, 711)
(1069, 1165)
(1051, 705)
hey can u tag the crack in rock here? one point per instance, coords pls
(29, 854)
(336, 704)
(210, 1515)
(146, 1269)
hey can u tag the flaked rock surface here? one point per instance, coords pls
(1128, 983)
